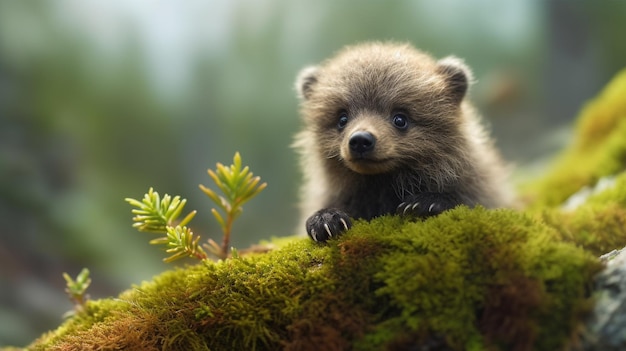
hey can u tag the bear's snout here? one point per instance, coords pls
(361, 143)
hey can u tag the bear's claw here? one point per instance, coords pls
(426, 205)
(326, 223)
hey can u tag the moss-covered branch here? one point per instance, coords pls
(468, 279)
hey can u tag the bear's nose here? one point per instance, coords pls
(362, 142)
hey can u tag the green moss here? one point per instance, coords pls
(598, 225)
(478, 277)
(95, 313)
(474, 279)
(599, 148)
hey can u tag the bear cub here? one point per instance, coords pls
(388, 129)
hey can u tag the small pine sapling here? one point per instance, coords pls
(239, 186)
(157, 215)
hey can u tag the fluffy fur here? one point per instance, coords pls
(387, 129)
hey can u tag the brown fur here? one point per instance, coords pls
(442, 158)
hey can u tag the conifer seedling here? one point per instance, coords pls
(160, 215)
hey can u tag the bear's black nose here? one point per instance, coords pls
(362, 143)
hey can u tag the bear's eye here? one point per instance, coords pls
(343, 120)
(400, 121)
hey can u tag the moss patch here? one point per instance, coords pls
(599, 225)
(466, 279)
(598, 150)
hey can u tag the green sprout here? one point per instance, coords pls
(156, 215)
(76, 289)
(239, 186)
(160, 215)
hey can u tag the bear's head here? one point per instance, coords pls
(379, 107)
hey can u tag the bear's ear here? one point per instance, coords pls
(457, 74)
(305, 81)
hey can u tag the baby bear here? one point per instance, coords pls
(388, 130)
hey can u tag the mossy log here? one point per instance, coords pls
(469, 279)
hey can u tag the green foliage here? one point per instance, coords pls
(239, 185)
(154, 214)
(76, 289)
(181, 243)
(157, 215)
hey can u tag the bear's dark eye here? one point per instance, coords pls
(343, 120)
(400, 121)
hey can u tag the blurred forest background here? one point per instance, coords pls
(100, 100)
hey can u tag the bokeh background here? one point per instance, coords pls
(100, 100)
